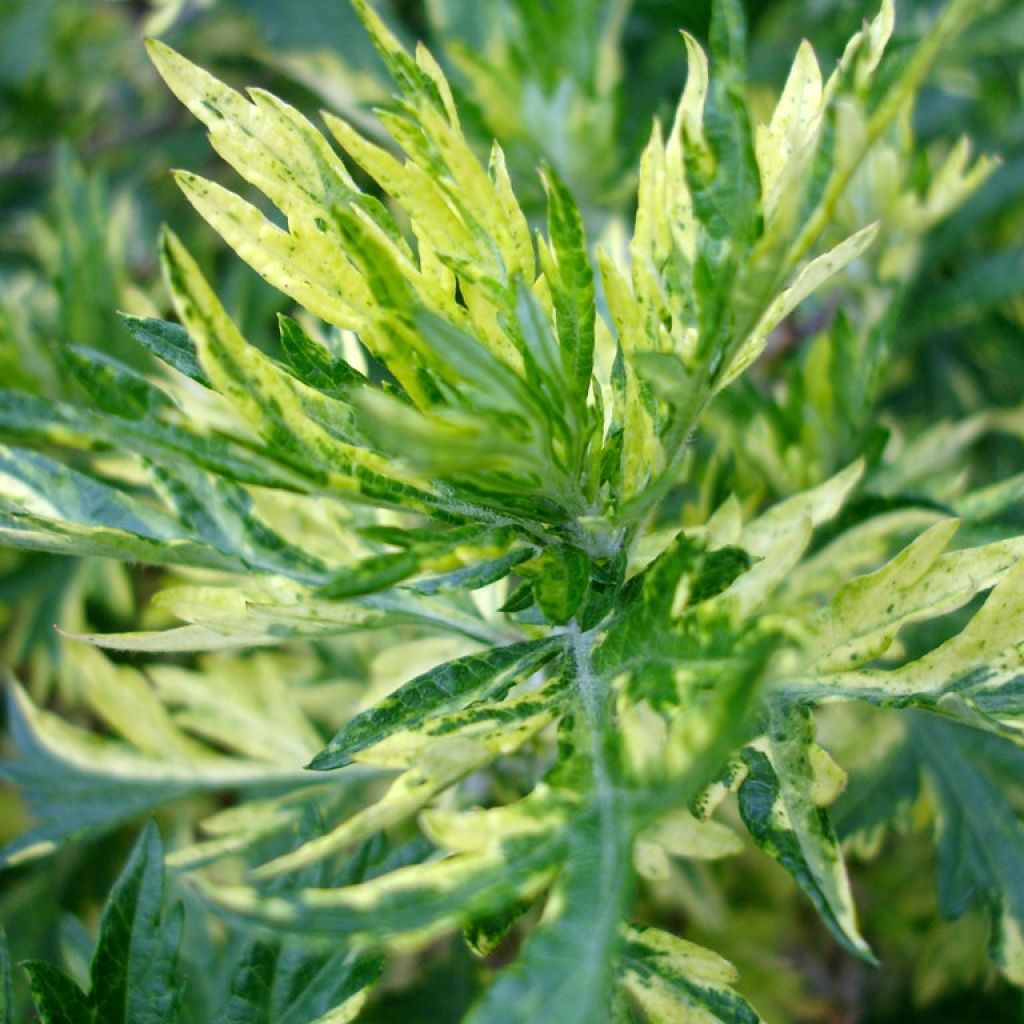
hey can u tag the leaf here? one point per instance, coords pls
(920, 582)
(560, 577)
(445, 749)
(565, 973)
(49, 507)
(110, 385)
(133, 973)
(675, 980)
(405, 908)
(785, 145)
(313, 364)
(77, 784)
(778, 807)
(571, 279)
(878, 797)
(818, 504)
(324, 282)
(222, 514)
(728, 203)
(976, 668)
(169, 342)
(246, 709)
(6, 990)
(447, 686)
(24, 417)
(270, 399)
(448, 551)
(177, 640)
(275, 983)
(807, 281)
(133, 965)
(980, 835)
(48, 490)
(58, 1000)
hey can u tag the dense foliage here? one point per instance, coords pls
(552, 548)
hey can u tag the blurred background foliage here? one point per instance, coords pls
(87, 135)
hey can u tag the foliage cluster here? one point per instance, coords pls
(551, 550)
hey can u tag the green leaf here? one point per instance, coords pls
(46, 506)
(560, 577)
(313, 364)
(134, 963)
(58, 1000)
(980, 836)
(169, 342)
(278, 983)
(222, 514)
(571, 279)
(878, 797)
(566, 971)
(133, 973)
(49, 490)
(6, 990)
(27, 418)
(728, 204)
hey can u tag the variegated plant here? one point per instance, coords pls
(476, 449)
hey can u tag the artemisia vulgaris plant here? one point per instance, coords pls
(478, 456)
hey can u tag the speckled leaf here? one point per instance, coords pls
(77, 784)
(976, 671)
(779, 809)
(920, 582)
(447, 686)
(408, 907)
(675, 981)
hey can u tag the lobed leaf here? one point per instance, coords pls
(778, 806)
(448, 686)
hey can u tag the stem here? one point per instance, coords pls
(614, 829)
(592, 700)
